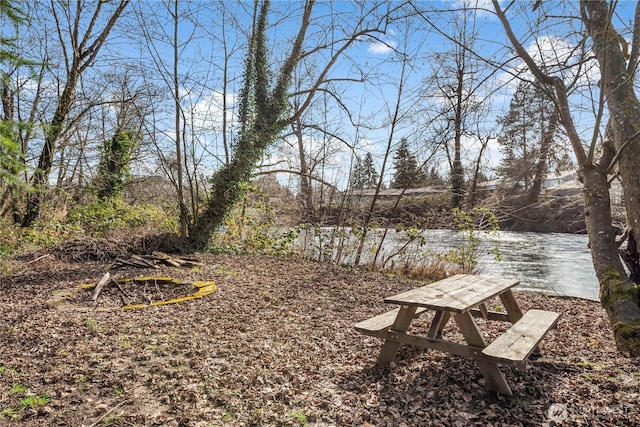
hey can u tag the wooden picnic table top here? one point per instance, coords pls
(456, 294)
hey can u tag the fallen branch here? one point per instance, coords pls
(120, 287)
(105, 279)
(38, 259)
(155, 260)
(108, 412)
(144, 261)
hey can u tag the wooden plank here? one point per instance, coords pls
(511, 305)
(433, 344)
(457, 293)
(144, 261)
(172, 262)
(490, 370)
(483, 311)
(469, 330)
(381, 322)
(516, 344)
(401, 324)
(159, 255)
(491, 315)
(437, 325)
(123, 261)
(189, 263)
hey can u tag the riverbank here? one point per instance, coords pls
(514, 212)
(275, 346)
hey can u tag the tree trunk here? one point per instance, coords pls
(457, 171)
(306, 191)
(184, 214)
(53, 132)
(619, 295)
(83, 54)
(258, 131)
(473, 187)
(541, 165)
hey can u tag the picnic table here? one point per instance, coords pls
(464, 298)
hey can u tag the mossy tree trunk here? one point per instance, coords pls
(115, 160)
(262, 113)
(618, 293)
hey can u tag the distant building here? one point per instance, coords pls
(490, 185)
(573, 188)
(550, 181)
(390, 193)
(556, 179)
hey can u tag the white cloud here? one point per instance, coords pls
(549, 51)
(208, 111)
(557, 56)
(381, 47)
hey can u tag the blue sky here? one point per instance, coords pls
(369, 73)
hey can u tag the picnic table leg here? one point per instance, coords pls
(490, 370)
(401, 324)
(511, 305)
(437, 325)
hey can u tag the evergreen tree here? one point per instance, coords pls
(433, 178)
(370, 173)
(523, 128)
(12, 150)
(364, 173)
(356, 181)
(407, 174)
(9, 14)
(11, 161)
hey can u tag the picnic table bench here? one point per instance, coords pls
(463, 297)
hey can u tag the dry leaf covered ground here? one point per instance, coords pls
(275, 346)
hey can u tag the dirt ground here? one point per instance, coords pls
(275, 346)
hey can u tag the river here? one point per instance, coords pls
(554, 263)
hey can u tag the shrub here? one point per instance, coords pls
(111, 215)
(250, 227)
(14, 238)
(469, 224)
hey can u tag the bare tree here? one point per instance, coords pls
(399, 111)
(311, 149)
(264, 105)
(80, 38)
(172, 25)
(619, 150)
(459, 85)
